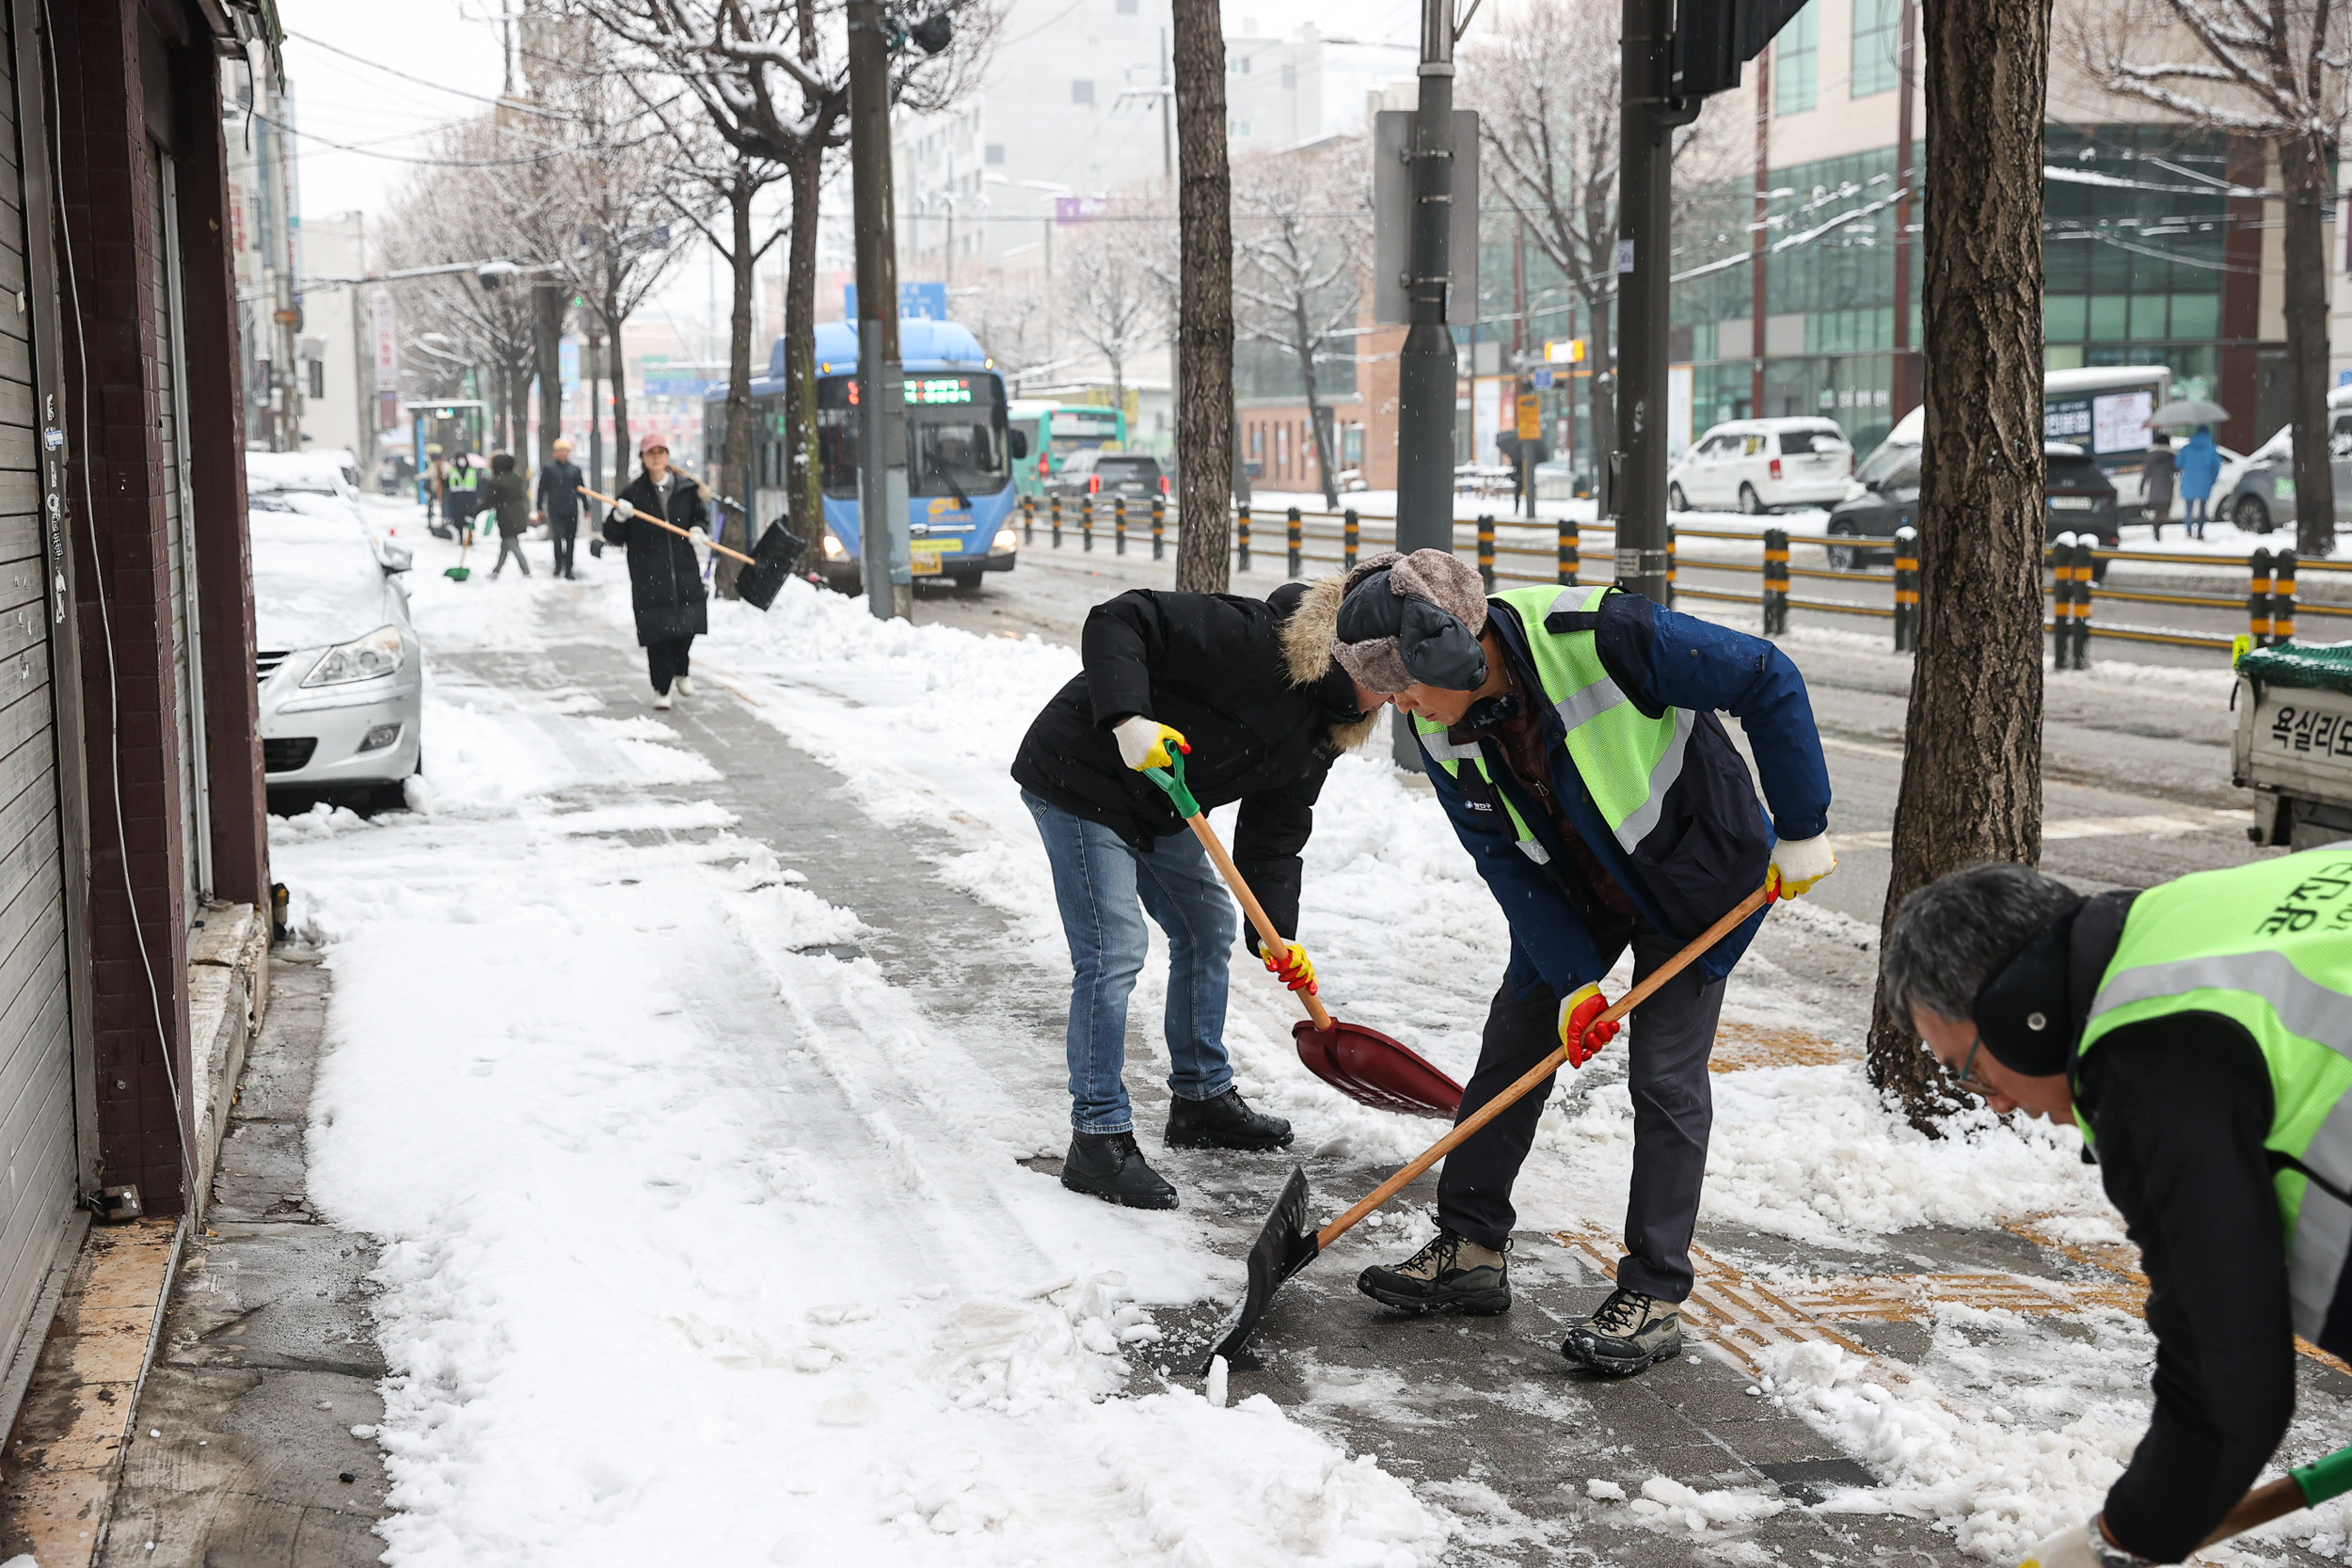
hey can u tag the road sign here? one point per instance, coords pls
(1531, 417)
(1564, 351)
(928, 301)
(1543, 380)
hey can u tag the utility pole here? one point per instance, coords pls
(885, 561)
(1645, 170)
(1760, 253)
(1425, 367)
(547, 304)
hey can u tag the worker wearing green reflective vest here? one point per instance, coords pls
(2200, 1034)
(1573, 741)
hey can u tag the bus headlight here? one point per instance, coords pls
(1006, 540)
(834, 550)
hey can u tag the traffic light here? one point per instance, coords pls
(1713, 39)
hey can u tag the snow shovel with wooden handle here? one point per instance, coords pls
(1285, 1245)
(1362, 1064)
(773, 558)
(2305, 1487)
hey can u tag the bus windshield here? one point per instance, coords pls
(955, 444)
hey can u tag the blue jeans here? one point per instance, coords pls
(1105, 889)
(2193, 516)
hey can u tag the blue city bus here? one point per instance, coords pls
(959, 454)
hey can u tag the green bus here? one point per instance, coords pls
(1054, 430)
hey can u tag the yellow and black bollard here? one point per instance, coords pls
(2258, 598)
(1056, 521)
(1776, 581)
(1086, 523)
(1487, 549)
(1670, 565)
(1569, 564)
(1119, 525)
(1293, 538)
(1159, 528)
(1028, 519)
(2086, 575)
(2282, 599)
(1241, 538)
(1351, 535)
(2062, 555)
(1906, 589)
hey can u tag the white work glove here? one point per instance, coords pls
(1146, 742)
(701, 542)
(2080, 1545)
(1800, 863)
(623, 511)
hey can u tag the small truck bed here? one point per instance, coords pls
(2294, 742)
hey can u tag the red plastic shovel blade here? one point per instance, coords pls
(1368, 1066)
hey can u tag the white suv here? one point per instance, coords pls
(1762, 466)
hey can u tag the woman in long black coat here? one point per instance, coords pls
(665, 578)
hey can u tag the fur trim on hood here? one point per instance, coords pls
(1308, 638)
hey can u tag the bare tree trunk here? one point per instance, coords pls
(619, 368)
(805, 479)
(1204, 327)
(594, 375)
(1972, 763)
(735, 457)
(1305, 339)
(2303, 172)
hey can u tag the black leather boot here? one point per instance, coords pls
(1108, 1165)
(1225, 1122)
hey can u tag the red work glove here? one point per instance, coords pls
(1293, 967)
(1577, 1032)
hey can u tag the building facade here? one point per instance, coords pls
(134, 854)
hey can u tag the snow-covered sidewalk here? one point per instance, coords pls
(703, 1246)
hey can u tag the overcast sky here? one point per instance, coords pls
(359, 103)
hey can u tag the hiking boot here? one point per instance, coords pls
(1225, 1122)
(1629, 1334)
(1451, 1272)
(1108, 1165)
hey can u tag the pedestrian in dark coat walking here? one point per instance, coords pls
(509, 504)
(665, 578)
(557, 499)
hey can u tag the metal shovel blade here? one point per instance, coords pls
(772, 559)
(1368, 1066)
(1285, 1245)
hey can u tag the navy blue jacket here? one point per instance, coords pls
(1713, 842)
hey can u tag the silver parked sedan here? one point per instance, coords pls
(340, 664)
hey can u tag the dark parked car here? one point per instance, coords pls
(2081, 499)
(1135, 475)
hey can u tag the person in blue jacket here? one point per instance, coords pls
(2199, 465)
(1573, 741)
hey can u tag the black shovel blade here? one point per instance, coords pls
(1285, 1245)
(772, 559)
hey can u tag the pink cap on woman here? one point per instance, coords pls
(648, 442)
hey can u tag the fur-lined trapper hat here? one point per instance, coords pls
(1306, 649)
(1412, 618)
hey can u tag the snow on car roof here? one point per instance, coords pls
(313, 585)
(320, 472)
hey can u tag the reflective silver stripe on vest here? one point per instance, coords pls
(2322, 1226)
(1589, 703)
(1436, 744)
(1534, 851)
(2303, 1005)
(1663, 775)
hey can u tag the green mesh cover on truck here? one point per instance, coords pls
(2326, 666)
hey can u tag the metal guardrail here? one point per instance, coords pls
(2271, 604)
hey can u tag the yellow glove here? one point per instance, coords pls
(1146, 743)
(1293, 968)
(1797, 864)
